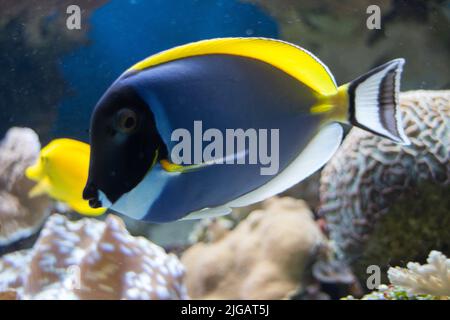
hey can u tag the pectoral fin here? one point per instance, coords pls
(42, 187)
(173, 167)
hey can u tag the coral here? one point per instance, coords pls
(19, 216)
(211, 229)
(265, 257)
(8, 295)
(392, 292)
(432, 278)
(90, 259)
(385, 203)
(417, 282)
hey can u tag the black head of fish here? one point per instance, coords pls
(124, 142)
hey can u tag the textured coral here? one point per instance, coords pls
(432, 278)
(265, 257)
(8, 295)
(211, 229)
(385, 203)
(90, 259)
(19, 216)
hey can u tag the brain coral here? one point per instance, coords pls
(90, 259)
(385, 203)
(265, 257)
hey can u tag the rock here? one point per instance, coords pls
(20, 216)
(265, 257)
(90, 259)
(385, 203)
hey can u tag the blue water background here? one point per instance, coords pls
(124, 32)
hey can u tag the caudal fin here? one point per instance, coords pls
(373, 101)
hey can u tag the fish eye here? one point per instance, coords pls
(126, 120)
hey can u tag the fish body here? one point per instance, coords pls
(61, 172)
(240, 83)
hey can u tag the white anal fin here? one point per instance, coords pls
(208, 213)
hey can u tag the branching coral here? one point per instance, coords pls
(418, 282)
(90, 259)
(432, 278)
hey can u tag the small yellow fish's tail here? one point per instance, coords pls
(369, 102)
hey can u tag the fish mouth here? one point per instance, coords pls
(90, 193)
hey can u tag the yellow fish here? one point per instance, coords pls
(61, 172)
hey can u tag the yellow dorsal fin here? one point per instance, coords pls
(70, 146)
(292, 59)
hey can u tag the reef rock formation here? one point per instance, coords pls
(265, 257)
(20, 216)
(90, 259)
(385, 203)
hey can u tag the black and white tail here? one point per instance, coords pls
(373, 101)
